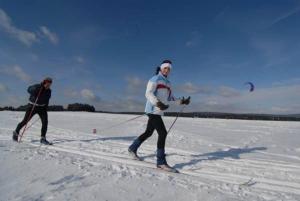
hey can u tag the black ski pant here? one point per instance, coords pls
(42, 112)
(155, 122)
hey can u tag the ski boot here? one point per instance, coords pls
(132, 150)
(15, 136)
(162, 162)
(45, 141)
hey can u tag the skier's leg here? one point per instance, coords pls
(161, 156)
(26, 119)
(138, 141)
(162, 135)
(158, 124)
(44, 118)
(149, 130)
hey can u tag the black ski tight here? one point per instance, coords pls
(155, 122)
(42, 112)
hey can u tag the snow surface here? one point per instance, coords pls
(215, 157)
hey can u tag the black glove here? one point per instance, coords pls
(162, 106)
(184, 101)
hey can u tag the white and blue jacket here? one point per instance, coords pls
(158, 89)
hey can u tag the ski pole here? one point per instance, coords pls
(116, 125)
(32, 123)
(178, 115)
(137, 117)
(29, 117)
(176, 119)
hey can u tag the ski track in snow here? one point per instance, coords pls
(271, 178)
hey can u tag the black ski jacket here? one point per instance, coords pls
(44, 97)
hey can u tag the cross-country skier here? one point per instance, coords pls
(158, 94)
(38, 104)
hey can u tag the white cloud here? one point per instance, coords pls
(131, 99)
(89, 35)
(135, 85)
(228, 92)
(116, 104)
(26, 37)
(13, 100)
(128, 104)
(190, 43)
(191, 88)
(268, 46)
(292, 81)
(17, 72)
(34, 57)
(194, 40)
(280, 109)
(3, 88)
(279, 100)
(275, 52)
(80, 59)
(89, 95)
(275, 100)
(221, 14)
(285, 15)
(52, 37)
(70, 93)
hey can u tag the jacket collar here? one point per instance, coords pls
(161, 75)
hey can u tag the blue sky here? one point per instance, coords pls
(103, 52)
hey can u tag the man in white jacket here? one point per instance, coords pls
(158, 94)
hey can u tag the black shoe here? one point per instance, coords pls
(15, 136)
(45, 142)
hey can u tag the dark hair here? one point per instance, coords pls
(157, 70)
(167, 61)
(47, 79)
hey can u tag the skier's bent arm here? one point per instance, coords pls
(151, 87)
(173, 100)
(33, 89)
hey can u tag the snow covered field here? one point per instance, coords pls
(215, 158)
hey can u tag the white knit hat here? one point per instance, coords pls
(165, 65)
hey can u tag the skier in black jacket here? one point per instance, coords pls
(38, 101)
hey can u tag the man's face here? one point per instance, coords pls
(47, 85)
(166, 71)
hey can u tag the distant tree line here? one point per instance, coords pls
(216, 115)
(70, 107)
(81, 107)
